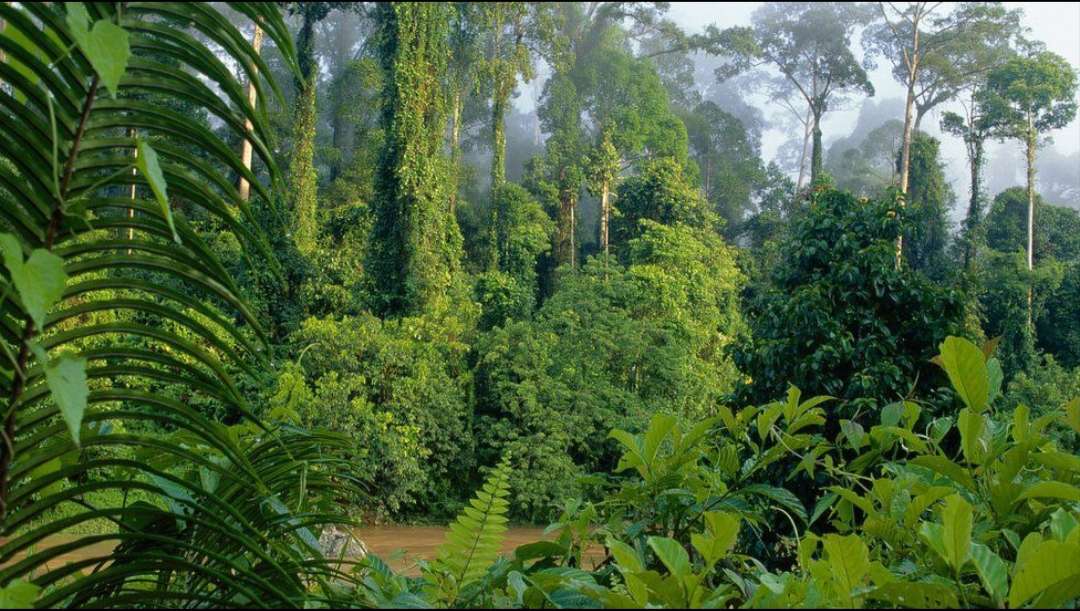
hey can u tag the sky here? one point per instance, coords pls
(1057, 24)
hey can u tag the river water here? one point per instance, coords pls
(400, 546)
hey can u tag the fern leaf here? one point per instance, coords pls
(476, 536)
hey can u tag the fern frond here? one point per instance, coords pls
(476, 536)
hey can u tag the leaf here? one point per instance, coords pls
(105, 45)
(722, 530)
(849, 561)
(956, 518)
(66, 378)
(1052, 490)
(917, 595)
(783, 496)
(965, 365)
(1052, 567)
(992, 570)
(475, 537)
(18, 594)
(1072, 414)
(971, 425)
(947, 468)
(996, 377)
(625, 556)
(39, 281)
(672, 554)
(147, 162)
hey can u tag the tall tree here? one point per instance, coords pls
(507, 57)
(974, 128)
(729, 160)
(415, 248)
(926, 227)
(932, 51)
(245, 149)
(466, 29)
(303, 179)
(1025, 97)
(580, 31)
(604, 168)
(810, 44)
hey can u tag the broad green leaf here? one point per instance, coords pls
(1062, 523)
(971, 425)
(39, 281)
(992, 570)
(18, 594)
(956, 519)
(66, 378)
(934, 536)
(965, 365)
(849, 563)
(672, 554)
(947, 468)
(625, 556)
(1052, 567)
(996, 377)
(105, 45)
(148, 165)
(1072, 414)
(917, 595)
(1051, 490)
(722, 530)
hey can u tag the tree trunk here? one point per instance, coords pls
(905, 150)
(245, 150)
(498, 143)
(455, 148)
(815, 156)
(1032, 142)
(807, 129)
(974, 216)
(605, 213)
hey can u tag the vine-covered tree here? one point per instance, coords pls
(416, 246)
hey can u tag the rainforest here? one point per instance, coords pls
(539, 305)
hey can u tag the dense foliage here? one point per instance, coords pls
(720, 385)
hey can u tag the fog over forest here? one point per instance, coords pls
(1059, 164)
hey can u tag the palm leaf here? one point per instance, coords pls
(203, 514)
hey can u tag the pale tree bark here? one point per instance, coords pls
(455, 147)
(1032, 143)
(246, 149)
(605, 213)
(805, 149)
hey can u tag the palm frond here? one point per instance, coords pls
(203, 513)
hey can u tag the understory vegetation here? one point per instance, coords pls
(271, 272)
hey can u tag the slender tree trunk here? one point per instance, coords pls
(905, 150)
(245, 149)
(1032, 142)
(807, 131)
(974, 216)
(498, 143)
(455, 148)
(573, 231)
(605, 214)
(815, 156)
